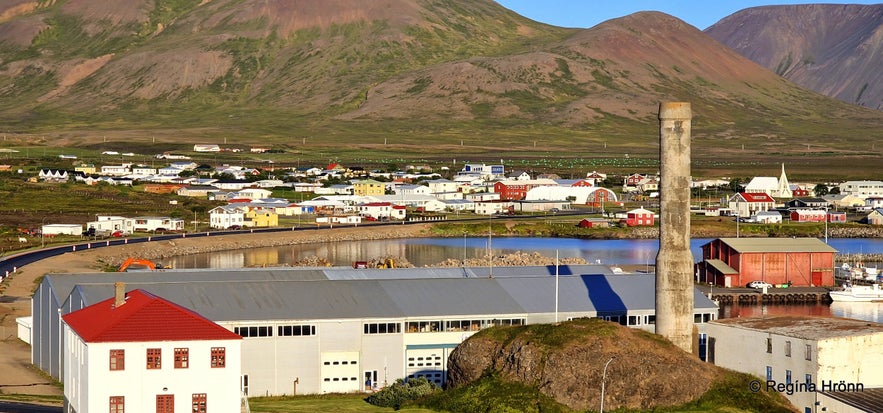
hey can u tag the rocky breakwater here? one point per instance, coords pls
(566, 362)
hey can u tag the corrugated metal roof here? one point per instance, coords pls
(721, 267)
(258, 297)
(778, 245)
(866, 400)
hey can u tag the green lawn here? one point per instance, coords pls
(341, 403)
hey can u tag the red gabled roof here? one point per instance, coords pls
(756, 197)
(143, 317)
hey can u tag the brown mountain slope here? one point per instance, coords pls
(836, 50)
(620, 68)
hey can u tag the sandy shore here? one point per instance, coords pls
(19, 376)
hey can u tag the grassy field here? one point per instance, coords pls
(342, 403)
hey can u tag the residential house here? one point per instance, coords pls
(268, 183)
(368, 187)
(197, 190)
(169, 171)
(412, 190)
(873, 202)
(162, 188)
(53, 175)
(185, 165)
(382, 211)
(482, 196)
(86, 168)
(875, 217)
(116, 170)
(806, 355)
(493, 207)
(746, 204)
(630, 183)
(800, 191)
(111, 224)
(648, 184)
(142, 170)
(151, 224)
(838, 217)
(595, 177)
(437, 186)
(231, 184)
(518, 176)
(844, 201)
(225, 216)
(734, 262)
(459, 205)
(554, 177)
(179, 359)
(807, 203)
(768, 217)
(639, 217)
(261, 218)
(253, 193)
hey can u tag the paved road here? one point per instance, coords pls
(15, 407)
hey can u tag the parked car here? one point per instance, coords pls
(234, 227)
(118, 234)
(759, 284)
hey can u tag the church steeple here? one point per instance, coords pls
(784, 190)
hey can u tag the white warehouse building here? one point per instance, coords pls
(335, 329)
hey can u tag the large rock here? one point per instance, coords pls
(566, 362)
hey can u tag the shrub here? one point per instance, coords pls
(401, 392)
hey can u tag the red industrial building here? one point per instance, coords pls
(735, 262)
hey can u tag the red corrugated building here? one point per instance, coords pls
(735, 262)
(639, 217)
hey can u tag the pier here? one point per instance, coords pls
(792, 295)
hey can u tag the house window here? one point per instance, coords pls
(769, 373)
(182, 358)
(808, 379)
(808, 352)
(218, 357)
(118, 359)
(788, 348)
(787, 376)
(117, 404)
(199, 403)
(154, 358)
(769, 345)
(165, 403)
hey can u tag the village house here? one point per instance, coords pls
(412, 190)
(205, 147)
(116, 170)
(767, 217)
(201, 191)
(808, 215)
(382, 211)
(492, 207)
(226, 216)
(53, 175)
(442, 186)
(807, 203)
(111, 224)
(180, 360)
(86, 168)
(368, 187)
(261, 218)
(639, 217)
(593, 223)
(518, 176)
(735, 262)
(142, 170)
(875, 217)
(482, 171)
(807, 354)
(151, 224)
(844, 201)
(746, 204)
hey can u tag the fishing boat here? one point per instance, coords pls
(858, 293)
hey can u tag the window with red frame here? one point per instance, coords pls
(117, 404)
(219, 358)
(154, 358)
(182, 358)
(118, 359)
(199, 400)
(165, 403)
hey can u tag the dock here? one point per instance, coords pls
(792, 295)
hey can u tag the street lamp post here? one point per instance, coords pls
(42, 236)
(603, 379)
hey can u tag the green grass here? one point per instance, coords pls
(342, 403)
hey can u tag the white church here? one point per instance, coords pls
(776, 188)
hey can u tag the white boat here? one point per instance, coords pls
(858, 293)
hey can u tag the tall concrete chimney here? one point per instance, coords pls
(119, 289)
(674, 263)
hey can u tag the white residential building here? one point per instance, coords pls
(442, 186)
(150, 224)
(140, 353)
(863, 189)
(116, 170)
(106, 223)
(800, 353)
(225, 216)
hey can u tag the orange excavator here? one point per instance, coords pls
(139, 263)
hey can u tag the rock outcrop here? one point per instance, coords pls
(566, 362)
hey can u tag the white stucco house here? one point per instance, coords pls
(137, 352)
(225, 216)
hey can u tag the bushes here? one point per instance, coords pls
(402, 391)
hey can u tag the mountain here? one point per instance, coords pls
(833, 49)
(350, 71)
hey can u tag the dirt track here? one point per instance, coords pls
(19, 376)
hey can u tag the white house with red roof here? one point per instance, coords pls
(746, 204)
(137, 352)
(382, 210)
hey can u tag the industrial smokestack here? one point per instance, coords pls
(119, 295)
(674, 263)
